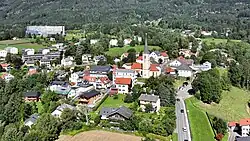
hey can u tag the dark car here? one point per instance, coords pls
(182, 111)
(177, 99)
(185, 83)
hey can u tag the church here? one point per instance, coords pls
(149, 69)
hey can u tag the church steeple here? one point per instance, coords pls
(146, 44)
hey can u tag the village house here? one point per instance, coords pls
(98, 82)
(182, 67)
(3, 53)
(123, 85)
(121, 113)
(60, 87)
(32, 70)
(67, 61)
(124, 73)
(28, 51)
(242, 127)
(29, 63)
(44, 51)
(31, 120)
(99, 58)
(186, 53)
(203, 67)
(12, 50)
(139, 60)
(113, 42)
(100, 71)
(93, 41)
(32, 96)
(137, 67)
(150, 99)
(86, 58)
(45, 62)
(127, 41)
(5, 66)
(58, 45)
(57, 113)
(90, 97)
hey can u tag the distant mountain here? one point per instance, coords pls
(70, 12)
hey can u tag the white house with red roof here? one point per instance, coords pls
(139, 60)
(5, 66)
(123, 85)
(155, 70)
(243, 126)
(137, 67)
(157, 56)
(98, 82)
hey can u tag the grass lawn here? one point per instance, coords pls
(217, 41)
(117, 51)
(178, 83)
(20, 44)
(200, 127)
(225, 138)
(69, 36)
(111, 102)
(232, 107)
(175, 137)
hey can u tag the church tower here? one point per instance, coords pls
(146, 60)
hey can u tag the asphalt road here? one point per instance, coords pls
(181, 118)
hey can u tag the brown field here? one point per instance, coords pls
(99, 136)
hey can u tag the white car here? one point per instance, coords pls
(184, 129)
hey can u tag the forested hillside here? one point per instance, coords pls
(182, 12)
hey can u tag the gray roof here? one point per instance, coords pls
(125, 71)
(32, 94)
(33, 118)
(123, 111)
(101, 68)
(184, 67)
(45, 60)
(100, 57)
(150, 98)
(64, 106)
(30, 62)
(243, 139)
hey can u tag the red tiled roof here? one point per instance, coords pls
(136, 66)
(169, 69)
(153, 67)
(140, 58)
(89, 78)
(105, 80)
(123, 81)
(245, 122)
(4, 65)
(164, 54)
(233, 123)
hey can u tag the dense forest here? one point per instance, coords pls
(184, 14)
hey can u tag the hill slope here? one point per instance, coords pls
(129, 11)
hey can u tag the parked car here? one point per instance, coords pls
(177, 99)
